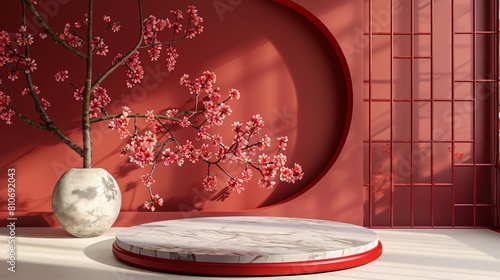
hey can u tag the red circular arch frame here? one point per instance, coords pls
(349, 88)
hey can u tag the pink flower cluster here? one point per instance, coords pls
(152, 27)
(16, 62)
(71, 37)
(142, 148)
(61, 76)
(121, 123)
(133, 69)
(6, 112)
(245, 149)
(12, 58)
(155, 199)
(99, 101)
(196, 21)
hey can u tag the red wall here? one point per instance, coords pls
(288, 68)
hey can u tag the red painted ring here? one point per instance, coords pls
(246, 269)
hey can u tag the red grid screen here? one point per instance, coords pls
(430, 113)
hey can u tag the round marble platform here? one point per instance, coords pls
(243, 245)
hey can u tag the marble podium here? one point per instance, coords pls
(246, 245)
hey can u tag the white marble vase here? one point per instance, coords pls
(86, 201)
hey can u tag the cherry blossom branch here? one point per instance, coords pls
(49, 125)
(28, 120)
(52, 34)
(145, 149)
(120, 61)
(148, 147)
(109, 117)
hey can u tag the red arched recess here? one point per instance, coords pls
(289, 68)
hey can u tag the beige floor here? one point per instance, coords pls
(48, 253)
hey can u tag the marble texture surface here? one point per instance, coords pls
(86, 201)
(244, 239)
(49, 253)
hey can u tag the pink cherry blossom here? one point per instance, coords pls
(27, 91)
(184, 79)
(45, 103)
(235, 185)
(107, 19)
(214, 95)
(101, 100)
(171, 58)
(189, 151)
(210, 183)
(255, 124)
(264, 159)
(42, 35)
(121, 124)
(13, 75)
(238, 128)
(115, 27)
(23, 38)
(154, 52)
(148, 180)
(177, 14)
(204, 153)
(4, 38)
(185, 122)
(99, 47)
(221, 153)
(61, 75)
(297, 171)
(269, 170)
(246, 175)
(279, 160)
(152, 26)
(282, 143)
(133, 69)
(7, 116)
(217, 140)
(265, 182)
(291, 175)
(150, 205)
(78, 93)
(195, 26)
(169, 157)
(70, 37)
(142, 148)
(172, 113)
(150, 116)
(265, 142)
(6, 112)
(30, 65)
(234, 94)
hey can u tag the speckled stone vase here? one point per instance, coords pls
(86, 201)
